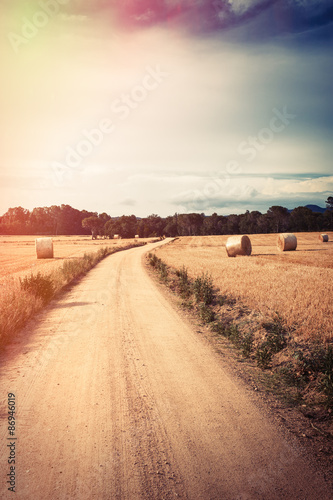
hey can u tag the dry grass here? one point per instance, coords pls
(296, 285)
(18, 254)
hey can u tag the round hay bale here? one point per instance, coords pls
(44, 248)
(323, 237)
(286, 242)
(238, 245)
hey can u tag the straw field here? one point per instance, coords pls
(18, 253)
(297, 285)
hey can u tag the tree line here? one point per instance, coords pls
(65, 220)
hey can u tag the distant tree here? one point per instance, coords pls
(190, 224)
(278, 218)
(262, 224)
(233, 224)
(142, 228)
(329, 203)
(249, 222)
(213, 224)
(54, 215)
(171, 226)
(94, 224)
(40, 221)
(125, 226)
(67, 221)
(46, 220)
(153, 225)
(303, 219)
(329, 212)
(104, 217)
(110, 228)
(16, 220)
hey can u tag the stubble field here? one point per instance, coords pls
(297, 285)
(18, 255)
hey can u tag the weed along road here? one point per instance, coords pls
(117, 397)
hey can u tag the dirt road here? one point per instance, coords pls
(118, 398)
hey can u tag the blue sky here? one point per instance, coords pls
(166, 106)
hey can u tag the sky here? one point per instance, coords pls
(165, 106)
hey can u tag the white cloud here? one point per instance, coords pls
(319, 185)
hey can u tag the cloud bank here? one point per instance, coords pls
(230, 64)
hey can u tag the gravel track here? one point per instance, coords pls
(119, 398)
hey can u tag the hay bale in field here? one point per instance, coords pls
(44, 248)
(238, 245)
(323, 237)
(286, 242)
(116, 237)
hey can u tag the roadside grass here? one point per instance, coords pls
(39, 286)
(159, 265)
(184, 282)
(203, 289)
(297, 372)
(20, 298)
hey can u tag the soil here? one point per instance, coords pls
(119, 396)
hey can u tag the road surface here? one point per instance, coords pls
(117, 397)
